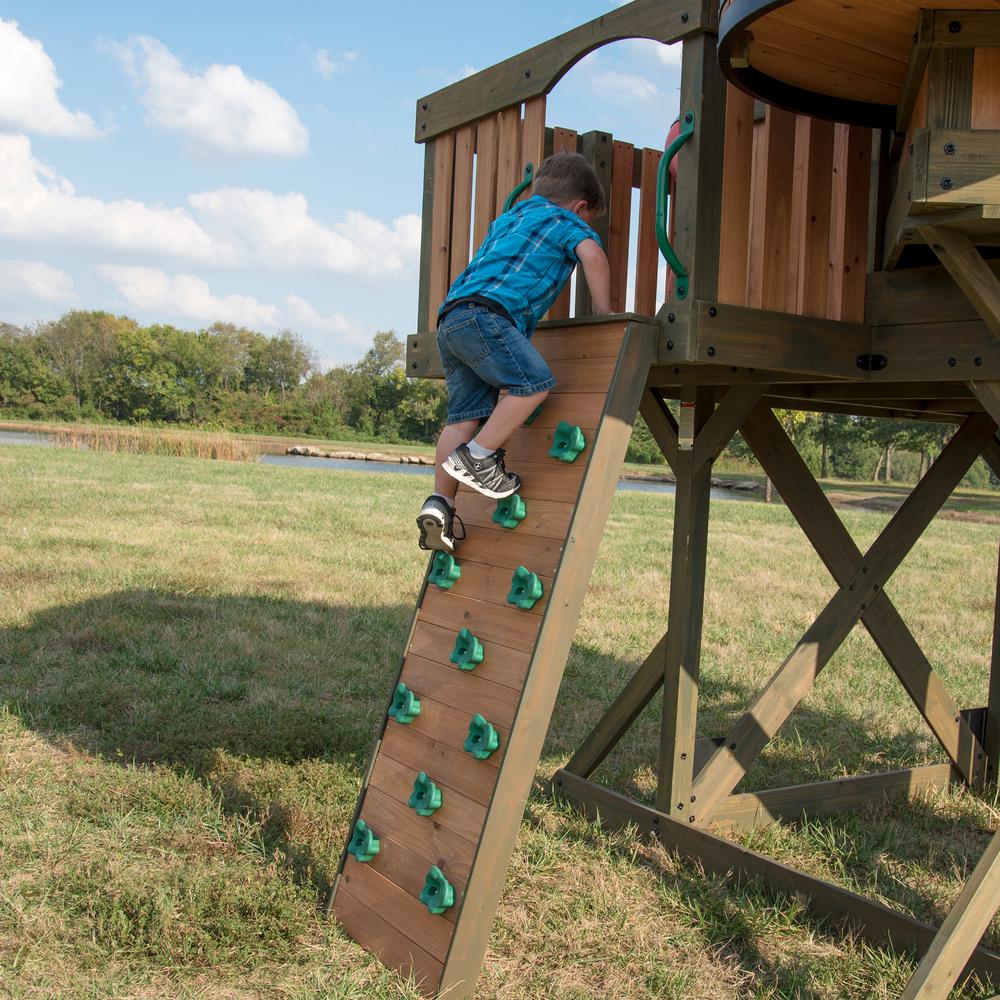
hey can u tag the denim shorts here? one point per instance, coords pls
(482, 352)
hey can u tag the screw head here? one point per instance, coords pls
(950, 149)
(711, 352)
(732, 746)
(947, 183)
(978, 362)
(671, 317)
(670, 345)
(952, 362)
(954, 27)
(713, 312)
(685, 17)
(688, 117)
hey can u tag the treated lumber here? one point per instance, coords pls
(915, 70)
(992, 737)
(966, 265)
(949, 88)
(875, 922)
(967, 174)
(797, 673)
(682, 654)
(647, 251)
(988, 393)
(933, 352)
(596, 148)
(537, 70)
(661, 424)
(426, 241)
(841, 556)
(737, 170)
(542, 685)
(964, 926)
(734, 407)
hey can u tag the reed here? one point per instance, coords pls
(148, 441)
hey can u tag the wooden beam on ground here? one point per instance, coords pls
(875, 922)
(971, 273)
(623, 711)
(961, 931)
(842, 557)
(682, 656)
(752, 810)
(798, 672)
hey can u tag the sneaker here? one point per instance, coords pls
(485, 475)
(436, 522)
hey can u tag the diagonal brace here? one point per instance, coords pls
(661, 424)
(796, 675)
(841, 556)
(988, 393)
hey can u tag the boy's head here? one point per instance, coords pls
(569, 181)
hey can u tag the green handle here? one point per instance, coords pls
(662, 194)
(529, 174)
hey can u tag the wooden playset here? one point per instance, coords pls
(832, 250)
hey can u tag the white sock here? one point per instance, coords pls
(448, 500)
(476, 450)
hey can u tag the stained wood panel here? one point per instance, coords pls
(620, 214)
(486, 178)
(461, 218)
(737, 173)
(986, 90)
(501, 664)
(440, 256)
(648, 253)
(564, 140)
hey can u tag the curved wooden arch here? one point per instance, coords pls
(536, 71)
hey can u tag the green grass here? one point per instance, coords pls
(194, 657)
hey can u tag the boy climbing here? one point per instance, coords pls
(484, 332)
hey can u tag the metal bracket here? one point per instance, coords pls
(872, 362)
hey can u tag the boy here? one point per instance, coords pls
(485, 326)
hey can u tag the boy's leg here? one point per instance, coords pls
(510, 413)
(451, 437)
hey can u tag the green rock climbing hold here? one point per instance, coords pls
(444, 570)
(567, 442)
(364, 844)
(535, 413)
(425, 797)
(482, 740)
(468, 652)
(405, 705)
(510, 512)
(525, 589)
(439, 893)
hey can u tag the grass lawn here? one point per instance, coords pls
(194, 657)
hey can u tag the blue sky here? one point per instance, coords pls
(254, 162)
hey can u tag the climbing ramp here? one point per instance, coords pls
(453, 764)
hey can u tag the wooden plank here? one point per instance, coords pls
(841, 556)
(509, 171)
(985, 111)
(543, 518)
(542, 685)
(410, 917)
(734, 240)
(849, 228)
(800, 668)
(949, 88)
(465, 773)
(440, 255)
(487, 154)
(563, 141)
(753, 810)
(734, 407)
(988, 393)
(936, 352)
(463, 690)
(533, 137)
(596, 148)
(966, 265)
(426, 244)
(376, 935)
(506, 626)
(537, 70)
(811, 203)
(875, 922)
(661, 424)
(620, 216)
(621, 714)
(682, 653)
(915, 80)
(970, 175)
(962, 929)
(501, 664)
(992, 737)
(648, 252)
(457, 813)
(461, 215)
(505, 550)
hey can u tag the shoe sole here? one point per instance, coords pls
(466, 477)
(432, 535)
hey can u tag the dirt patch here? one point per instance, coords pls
(891, 506)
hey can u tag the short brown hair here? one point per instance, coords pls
(568, 177)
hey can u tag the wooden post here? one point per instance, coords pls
(993, 709)
(682, 654)
(596, 147)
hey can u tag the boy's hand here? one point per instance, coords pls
(598, 275)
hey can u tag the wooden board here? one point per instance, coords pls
(737, 171)
(648, 253)
(461, 217)
(620, 215)
(486, 178)
(440, 254)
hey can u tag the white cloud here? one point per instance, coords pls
(231, 227)
(222, 107)
(189, 297)
(29, 89)
(666, 55)
(328, 65)
(32, 279)
(624, 87)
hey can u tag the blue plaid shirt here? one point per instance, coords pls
(527, 256)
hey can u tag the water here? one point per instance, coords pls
(353, 465)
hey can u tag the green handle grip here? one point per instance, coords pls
(529, 176)
(662, 195)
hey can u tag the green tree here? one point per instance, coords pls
(278, 364)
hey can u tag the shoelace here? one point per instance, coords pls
(461, 524)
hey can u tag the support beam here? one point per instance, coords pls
(734, 408)
(993, 705)
(971, 273)
(961, 931)
(841, 556)
(875, 922)
(797, 674)
(661, 424)
(682, 656)
(988, 393)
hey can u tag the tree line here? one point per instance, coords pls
(95, 366)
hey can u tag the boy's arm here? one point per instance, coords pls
(598, 274)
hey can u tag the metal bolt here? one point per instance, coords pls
(694, 798)
(955, 27)
(684, 17)
(950, 149)
(680, 805)
(671, 317)
(947, 183)
(711, 352)
(978, 362)
(690, 819)
(688, 117)
(423, 107)
(670, 345)
(423, 126)
(527, 74)
(958, 718)
(684, 756)
(864, 607)
(713, 312)
(732, 746)
(952, 362)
